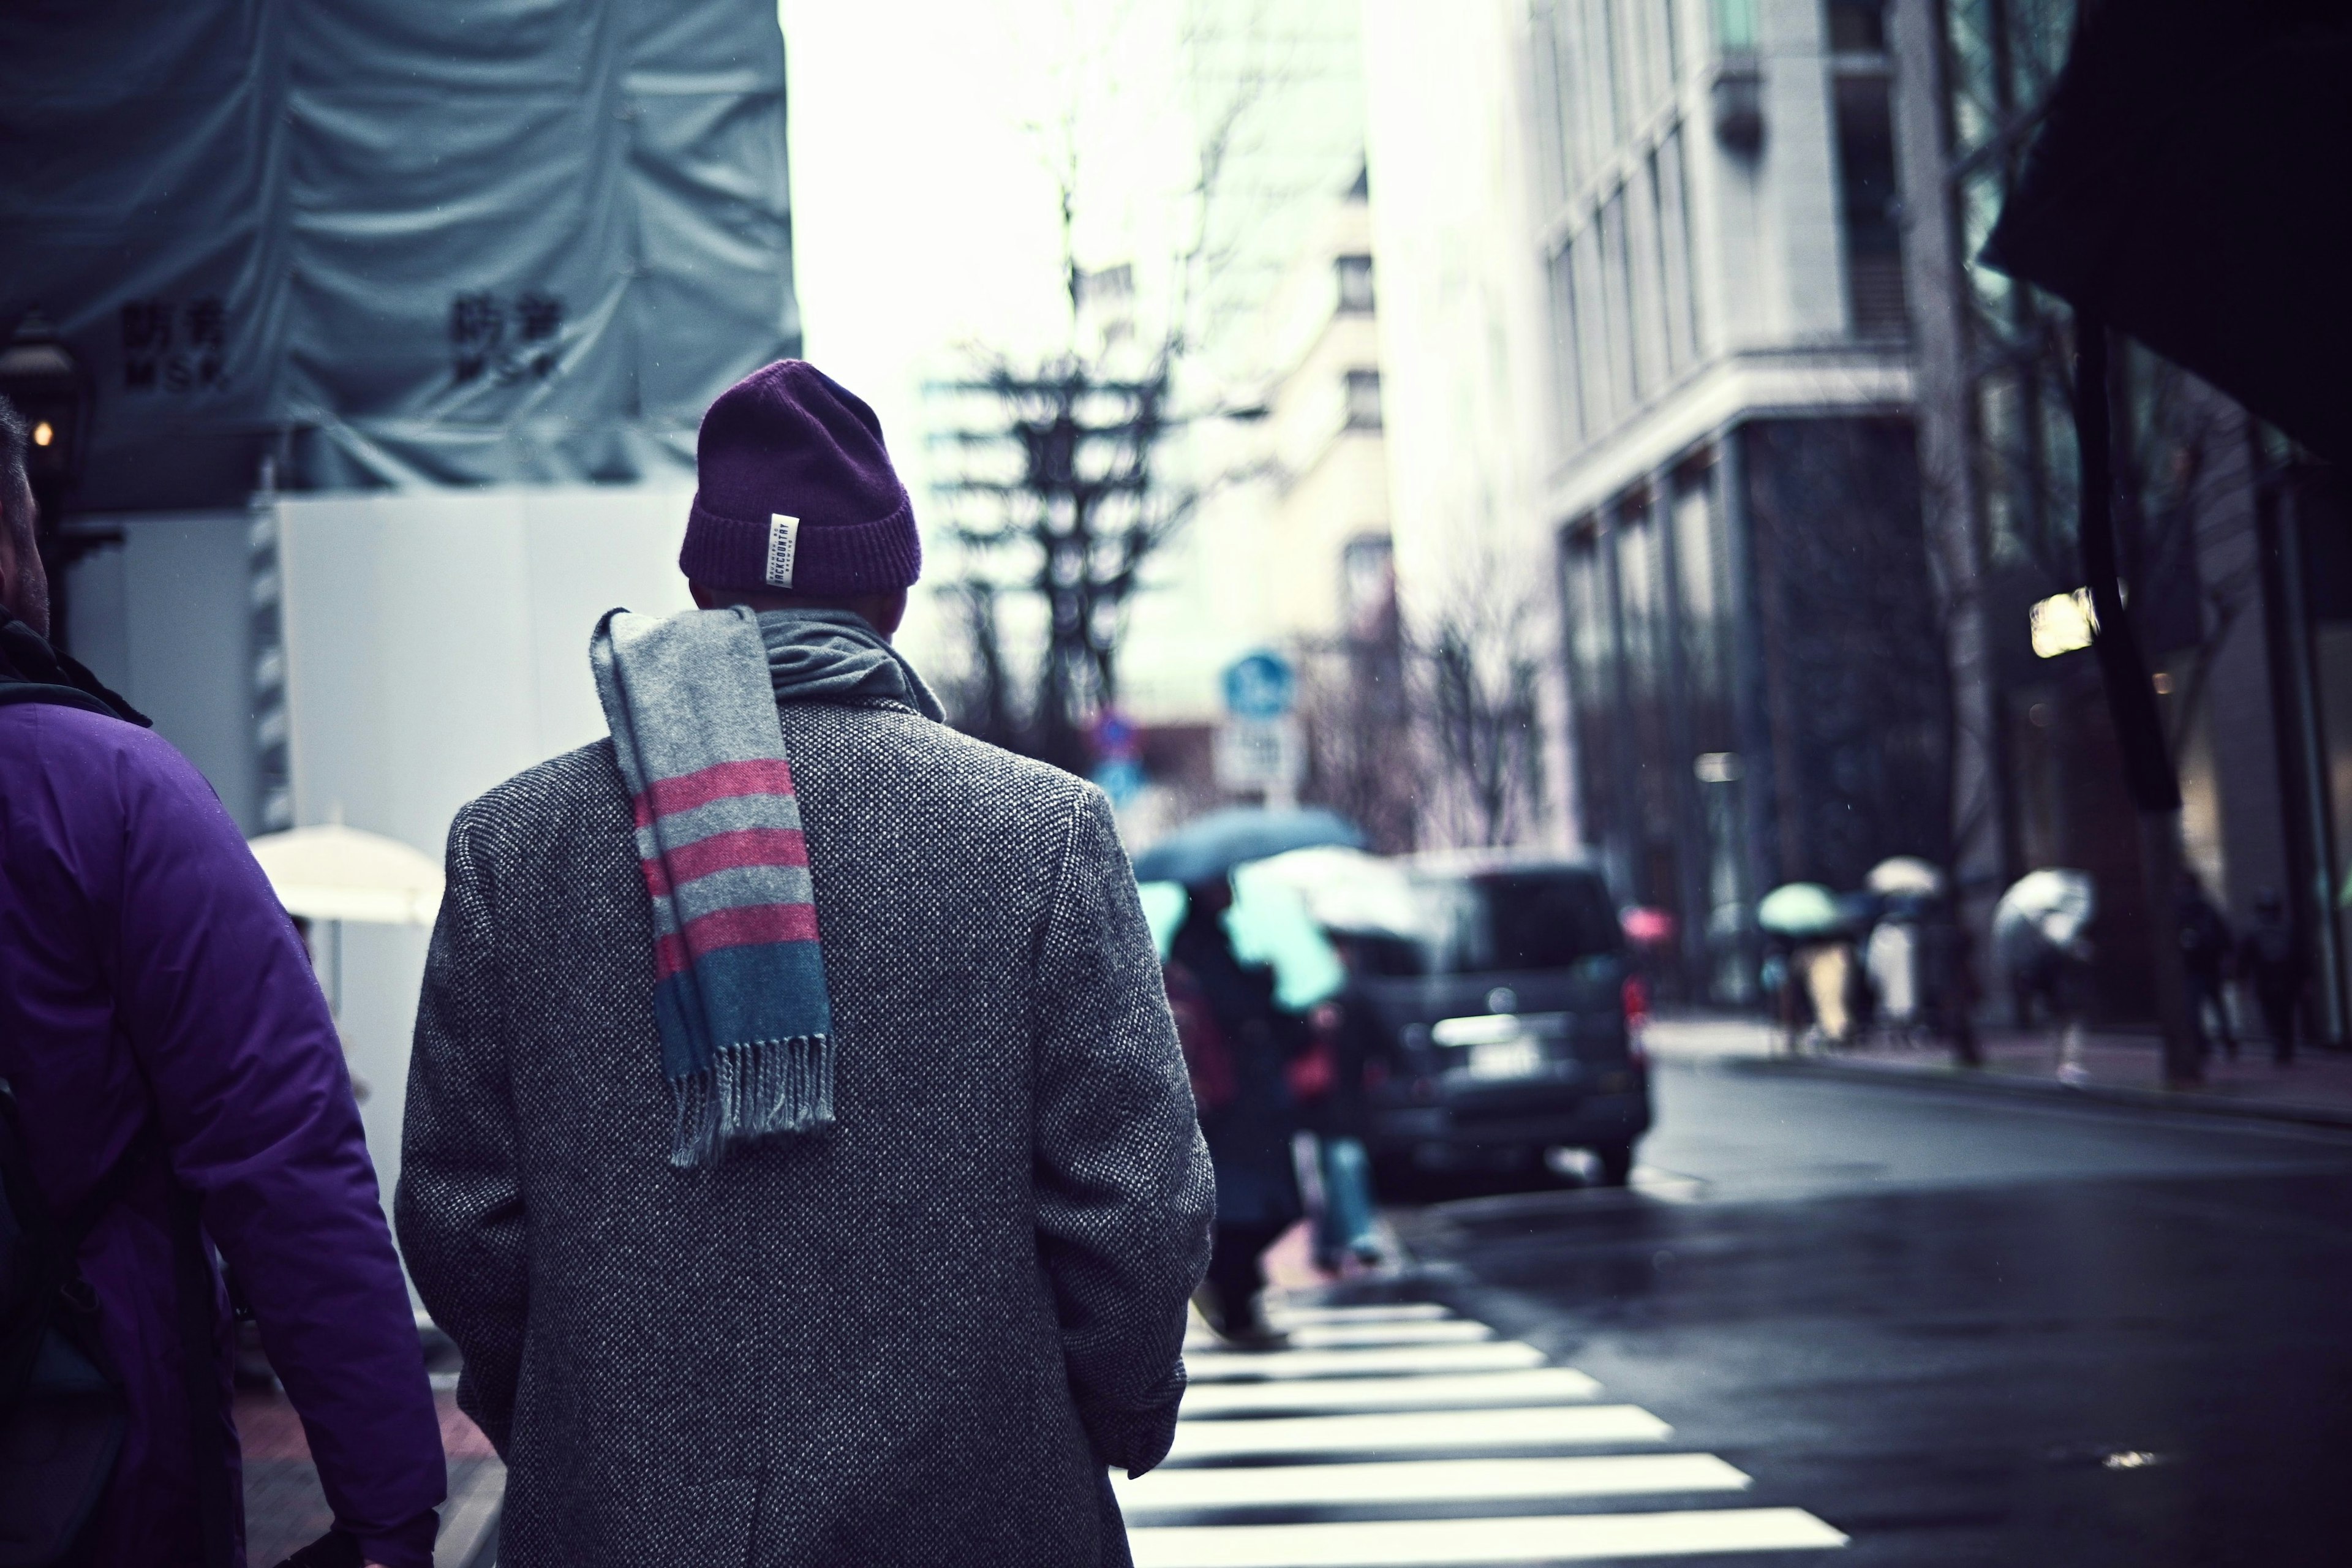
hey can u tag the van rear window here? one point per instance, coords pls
(1500, 921)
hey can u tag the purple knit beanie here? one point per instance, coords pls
(796, 491)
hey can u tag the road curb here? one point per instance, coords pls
(1979, 1080)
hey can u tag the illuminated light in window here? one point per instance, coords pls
(44, 433)
(2063, 622)
(2163, 684)
(1717, 767)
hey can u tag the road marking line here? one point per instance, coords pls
(468, 1515)
(1245, 1366)
(1463, 1390)
(1365, 1312)
(1425, 1481)
(1377, 1312)
(1416, 1432)
(1447, 1332)
(1413, 1543)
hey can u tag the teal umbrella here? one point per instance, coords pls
(1211, 846)
(1163, 911)
(1269, 923)
(1801, 909)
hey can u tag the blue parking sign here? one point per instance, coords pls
(1260, 685)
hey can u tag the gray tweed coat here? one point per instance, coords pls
(917, 1338)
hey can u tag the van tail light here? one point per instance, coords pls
(1635, 994)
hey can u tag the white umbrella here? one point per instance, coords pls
(1346, 889)
(336, 874)
(2049, 907)
(1904, 875)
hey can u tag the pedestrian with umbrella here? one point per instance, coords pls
(1237, 1047)
(2039, 942)
(1807, 926)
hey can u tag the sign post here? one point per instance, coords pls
(1259, 746)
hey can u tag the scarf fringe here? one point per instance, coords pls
(751, 1091)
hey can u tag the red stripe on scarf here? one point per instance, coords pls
(761, 775)
(722, 851)
(739, 927)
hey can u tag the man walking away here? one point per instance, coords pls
(176, 1085)
(797, 1144)
(2270, 961)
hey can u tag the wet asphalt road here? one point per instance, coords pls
(1963, 1328)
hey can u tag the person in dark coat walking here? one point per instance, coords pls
(161, 1029)
(2269, 963)
(1237, 1046)
(798, 1146)
(2205, 953)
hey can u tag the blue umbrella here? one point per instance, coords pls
(1211, 846)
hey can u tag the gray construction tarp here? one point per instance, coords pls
(461, 243)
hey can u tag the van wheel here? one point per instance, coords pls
(1616, 1160)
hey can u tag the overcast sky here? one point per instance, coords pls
(923, 212)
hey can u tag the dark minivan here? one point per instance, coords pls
(1513, 1019)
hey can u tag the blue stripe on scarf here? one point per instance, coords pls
(764, 991)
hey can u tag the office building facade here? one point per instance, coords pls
(1755, 662)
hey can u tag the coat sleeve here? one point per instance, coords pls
(1124, 1191)
(217, 997)
(460, 1206)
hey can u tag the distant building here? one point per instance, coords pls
(1755, 664)
(1326, 552)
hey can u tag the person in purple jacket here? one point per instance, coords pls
(156, 1007)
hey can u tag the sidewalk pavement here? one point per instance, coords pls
(285, 1511)
(2116, 1069)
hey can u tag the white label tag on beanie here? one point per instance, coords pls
(784, 543)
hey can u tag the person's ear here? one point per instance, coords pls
(891, 611)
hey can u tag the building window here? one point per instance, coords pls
(1734, 26)
(1661, 266)
(1866, 209)
(1858, 27)
(1551, 106)
(1617, 304)
(1674, 239)
(1363, 400)
(1568, 391)
(1592, 351)
(1367, 599)
(1355, 283)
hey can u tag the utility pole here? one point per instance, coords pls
(2149, 775)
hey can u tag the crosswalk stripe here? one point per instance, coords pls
(1230, 1366)
(1441, 1331)
(1368, 1312)
(1418, 1432)
(1405, 1409)
(1458, 1390)
(1424, 1543)
(1166, 1492)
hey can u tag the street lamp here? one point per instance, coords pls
(41, 376)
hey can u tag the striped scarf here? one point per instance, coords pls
(739, 999)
